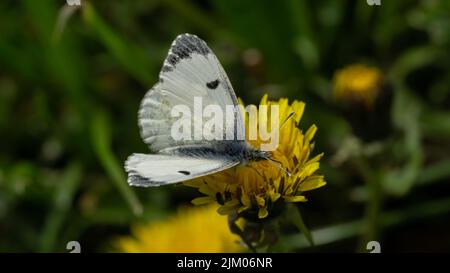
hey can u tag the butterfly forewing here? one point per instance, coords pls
(191, 70)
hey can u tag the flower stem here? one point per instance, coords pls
(297, 219)
(234, 228)
(373, 207)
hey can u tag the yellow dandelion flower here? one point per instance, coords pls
(257, 188)
(357, 83)
(195, 229)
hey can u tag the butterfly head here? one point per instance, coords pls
(257, 155)
(252, 154)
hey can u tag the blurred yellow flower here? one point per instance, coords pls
(357, 83)
(257, 188)
(195, 229)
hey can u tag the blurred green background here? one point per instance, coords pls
(71, 81)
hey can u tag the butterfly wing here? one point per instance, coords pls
(190, 70)
(149, 170)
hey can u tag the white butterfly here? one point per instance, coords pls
(190, 70)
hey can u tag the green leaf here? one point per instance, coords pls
(101, 141)
(62, 201)
(131, 58)
(436, 124)
(339, 232)
(405, 114)
(412, 59)
(435, 172)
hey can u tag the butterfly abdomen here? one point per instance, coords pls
(230, 150)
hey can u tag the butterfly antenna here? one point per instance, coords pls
(279, 165)
(291, 114)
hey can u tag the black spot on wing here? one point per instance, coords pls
(184, 46)
(173, 59)
(184, 172)
(166, 68)
(213, 84)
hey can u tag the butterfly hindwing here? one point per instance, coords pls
(147, 170)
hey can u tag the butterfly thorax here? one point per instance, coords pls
(252, 154)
